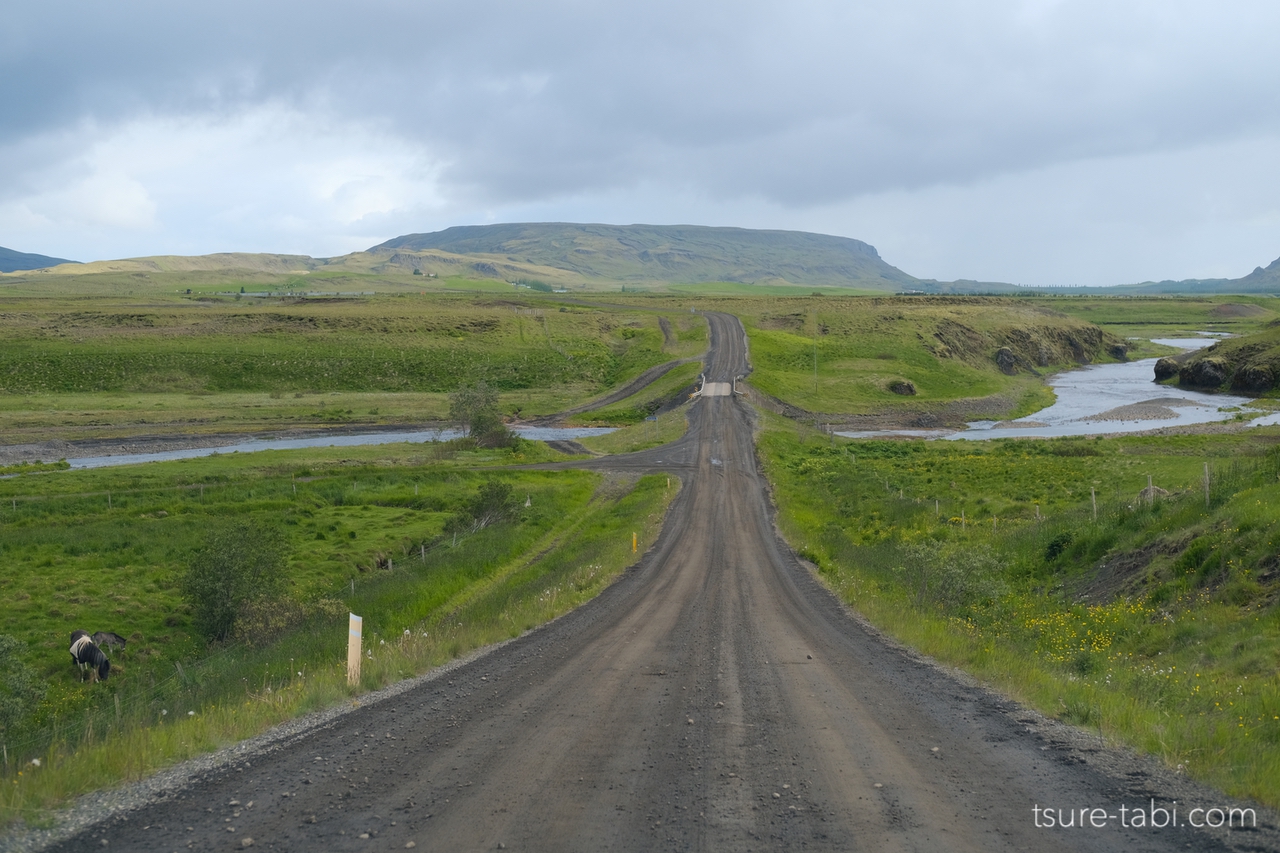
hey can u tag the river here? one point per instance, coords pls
(356, 440)
(1102, 398)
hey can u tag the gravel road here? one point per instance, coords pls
(715, 698)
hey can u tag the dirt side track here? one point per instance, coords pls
(715, 698)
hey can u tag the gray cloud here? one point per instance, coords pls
(791, 108)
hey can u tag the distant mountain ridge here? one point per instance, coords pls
(594, 256)
(667, 253)
(14, 261)
(1261, 280)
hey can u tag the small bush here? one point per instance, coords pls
(1057, 545)
(238, 563)
(492, 503)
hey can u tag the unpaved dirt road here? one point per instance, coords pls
(715, 698)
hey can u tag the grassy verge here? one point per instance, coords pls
(171, 697)
(674, 385)
(668, 427)
(1156, 623)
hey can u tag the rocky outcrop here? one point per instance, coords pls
(905, 387)
(1210, 372)
(1254, 379)
(1167, 368)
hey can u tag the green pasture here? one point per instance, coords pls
(1171, 317)
(1154, 621)
(103, 549)
(89, 368)
(845, 356)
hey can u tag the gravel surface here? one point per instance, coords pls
(1134, 412)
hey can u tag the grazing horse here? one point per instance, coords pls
(108, 638)
(85, 654)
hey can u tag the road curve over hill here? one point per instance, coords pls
(715, 698)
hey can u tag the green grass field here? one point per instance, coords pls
(115, 367)
(944, 347)
(1155, 623)
(1170, 317)
(104, 550)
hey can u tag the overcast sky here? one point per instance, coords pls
(1032, 141)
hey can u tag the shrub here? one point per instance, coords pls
(491, 504)
(1057, 545)
(472, 402)
(489, 431)
(955, 576)
(239, 562)
(20, 689)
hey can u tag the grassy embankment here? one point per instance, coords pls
(1155, 623)
(942, 348)
(104, 549)
(116, 367)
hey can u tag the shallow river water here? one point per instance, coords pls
(1102, 398)
(357, 440)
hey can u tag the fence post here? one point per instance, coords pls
(1206, 485)
(1093, 496)
(355, 627)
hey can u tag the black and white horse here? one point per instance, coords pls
(85, 654)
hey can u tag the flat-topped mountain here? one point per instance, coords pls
(594, 256)
(668, 253)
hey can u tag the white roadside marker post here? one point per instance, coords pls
(355, 629)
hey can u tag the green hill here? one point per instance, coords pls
(667, 253)
(12, 261)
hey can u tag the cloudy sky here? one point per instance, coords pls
(1033, 141)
